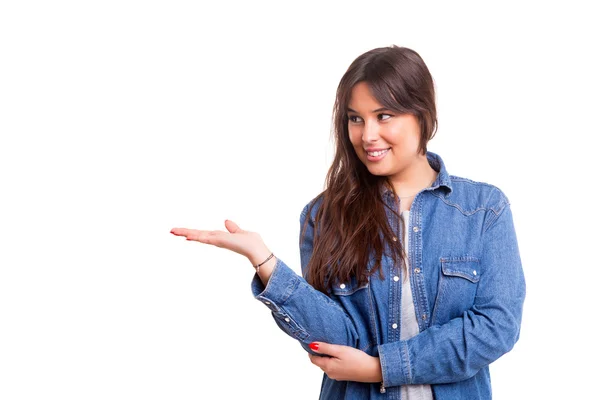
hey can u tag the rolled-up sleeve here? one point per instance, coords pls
(300, 310)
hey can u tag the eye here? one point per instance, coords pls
(383, 117)
(354, 119)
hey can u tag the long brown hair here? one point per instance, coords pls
(351, 221)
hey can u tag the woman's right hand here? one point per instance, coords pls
(246, 243)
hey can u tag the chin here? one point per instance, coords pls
(378, 171)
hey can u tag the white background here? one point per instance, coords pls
(120, 120)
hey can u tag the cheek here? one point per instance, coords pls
(355, 136)
(390, 137)
(397, 136)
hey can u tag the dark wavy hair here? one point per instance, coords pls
(351, 221)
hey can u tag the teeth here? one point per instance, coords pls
(376, 153)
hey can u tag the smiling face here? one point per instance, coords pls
(385, 141)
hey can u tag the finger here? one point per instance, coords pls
(179, 231)
(326, 348)
(318, 360)
(232, 227)
(185, 232)
(216, 238)
(314, 346)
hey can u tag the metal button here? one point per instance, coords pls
(474, 272)
(394, 326)
(424, 317)
(342, 286)
(416, 229)
(395, 239)
(396, 278)
(287, 319)
(417, 270)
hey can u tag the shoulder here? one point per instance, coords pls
(312, 207)
(470, 195)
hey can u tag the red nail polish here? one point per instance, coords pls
(314, 346)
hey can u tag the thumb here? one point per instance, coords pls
(232, 227)
(325, 348)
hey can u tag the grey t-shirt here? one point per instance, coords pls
(408, 325)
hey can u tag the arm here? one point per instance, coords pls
(298, 309)
(458, 349)
(301, 311)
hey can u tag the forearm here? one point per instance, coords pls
(301, 311)
(258, 256)
(448, 353)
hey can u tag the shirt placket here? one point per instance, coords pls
(415, 245)
(395, 286)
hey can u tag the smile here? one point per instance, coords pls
(374, 156)
(377, 153)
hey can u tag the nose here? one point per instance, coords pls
(370, 132)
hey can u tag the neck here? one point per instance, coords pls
(414, 178)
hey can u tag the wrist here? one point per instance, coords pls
(265, 267)
(377, 373)
(259, 256)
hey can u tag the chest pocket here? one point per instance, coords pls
(356, 301)
(457, 287)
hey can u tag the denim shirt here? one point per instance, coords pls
(468, 291)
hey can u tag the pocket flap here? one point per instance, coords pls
(464, 267)
(347, 288)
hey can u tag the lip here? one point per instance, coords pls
(379, 157)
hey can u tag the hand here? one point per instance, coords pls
(246, 243)
(346, 363)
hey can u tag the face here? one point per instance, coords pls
(385, 141)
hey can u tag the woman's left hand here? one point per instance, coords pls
(346, 363)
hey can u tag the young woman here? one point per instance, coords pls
(412, 280)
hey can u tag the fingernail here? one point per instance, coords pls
(314, 346)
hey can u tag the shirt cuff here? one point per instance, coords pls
(281, 285)
(395, 363)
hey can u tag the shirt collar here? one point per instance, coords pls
(442, 180)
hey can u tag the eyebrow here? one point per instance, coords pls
(374, 111)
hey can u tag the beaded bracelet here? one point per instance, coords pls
(258, 266)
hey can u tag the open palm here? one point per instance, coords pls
(235, 239)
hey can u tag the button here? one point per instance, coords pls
(395, 239)
(394, 326)
(415, 229)
(474, 272)
(287, 319)
(342, 286)
(417, 270)
(267, 303)
(396, 278)
(423, 317)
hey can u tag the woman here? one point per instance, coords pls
(412, 280)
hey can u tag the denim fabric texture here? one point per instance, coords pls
(468, 291)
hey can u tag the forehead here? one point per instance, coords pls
(362, 99)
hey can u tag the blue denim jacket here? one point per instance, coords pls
(468, 290)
